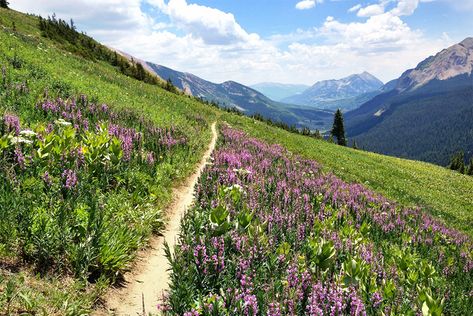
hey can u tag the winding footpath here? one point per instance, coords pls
(145, 285)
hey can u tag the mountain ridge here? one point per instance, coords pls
(448, 63)
(231, 94)
(338, 93)
(425, 113)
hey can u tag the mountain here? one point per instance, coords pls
(279, 91)
(346, 93)
(425, 114)
(247, 100)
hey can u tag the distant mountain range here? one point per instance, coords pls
(249, 101)
(346, 93)
(279, 91)
(425, 114)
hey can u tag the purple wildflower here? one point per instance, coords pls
(12, 123)
(20, 159)
(70, 179)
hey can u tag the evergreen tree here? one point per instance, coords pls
(169, 86)
(140, 72)
(305, 131)
(317, 134)
(469, 171)
(338, 130)
(4, 4)
(355, 146)
(458, 162)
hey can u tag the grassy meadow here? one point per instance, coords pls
(89, 157)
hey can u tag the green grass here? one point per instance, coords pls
(27, 58)
(442, 192)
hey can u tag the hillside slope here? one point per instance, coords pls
(427, 112)
(57, 264)
(441, 192)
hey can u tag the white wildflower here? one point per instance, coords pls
(27, 133)
(242, 171)
(233, 187)
(62, 122)
(20, 140)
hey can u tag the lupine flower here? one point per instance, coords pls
(376, 299)
(19, 158)
(47, 178)
(12, 123)
(70, 179)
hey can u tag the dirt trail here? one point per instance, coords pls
(149, 278)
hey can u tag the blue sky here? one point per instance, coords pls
(288, 41)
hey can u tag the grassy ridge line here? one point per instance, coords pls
(445, 194)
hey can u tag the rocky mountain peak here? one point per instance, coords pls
(451, 62)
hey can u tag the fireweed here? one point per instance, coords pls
(78, 186)
(270, 234)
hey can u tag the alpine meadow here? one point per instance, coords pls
(131, 188)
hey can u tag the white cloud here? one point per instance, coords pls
(371, 10)
(355, 8)
(209, 24)
(212, 44)
(405, 7)
(305, 4)
(110, 18)
(380, 32)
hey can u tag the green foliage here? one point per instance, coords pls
(338, 130)
(469, 170)
(458, 162)
(4, 4)
(322, 254)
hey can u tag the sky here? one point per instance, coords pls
(286, 41)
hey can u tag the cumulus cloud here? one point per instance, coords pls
(371, 10)
(405, 7)
(305, 4)
(212, 44)
(211, 25)
(355, 8)
(383, 32)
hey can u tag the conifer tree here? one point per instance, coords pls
(317, 134)
(169, 86)
(469, 171)
(4, 4)
(305, 131)
(338, 130)
(355, 146)
(458, 162)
